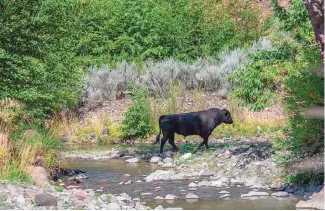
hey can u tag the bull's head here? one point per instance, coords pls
(226, 117)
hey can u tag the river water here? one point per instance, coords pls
(105, 176)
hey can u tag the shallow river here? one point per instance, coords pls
(105, 176)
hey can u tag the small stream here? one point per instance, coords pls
(105, 176)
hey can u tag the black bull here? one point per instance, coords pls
(200, 123)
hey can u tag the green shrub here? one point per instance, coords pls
(256, 83)
(137, 117)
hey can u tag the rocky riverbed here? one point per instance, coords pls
(26, 196)
(233, 174)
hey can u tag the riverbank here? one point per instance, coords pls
(26, 196)
(248, 162)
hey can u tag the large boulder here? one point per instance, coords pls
(316, 202)
(46, 199)
(38, 175)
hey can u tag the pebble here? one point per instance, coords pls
(224, 192)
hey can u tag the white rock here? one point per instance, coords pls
(185, 156)
(225, 196)
(113, 206)
(138, 181)
(159, 174)
(133, 160)
(155, 159)
(146, 194)
(168, 160)
(128, 182)
(170, 197)
(167, 165)
(192, 185)
(159, 207)
(223, 192)
(204, 183)
(254, 193)
(280, 194)
(160, 163)
(21, 200)
(159, 198)
(216, 183)
(191, 196)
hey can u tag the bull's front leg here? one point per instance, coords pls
(204, 142)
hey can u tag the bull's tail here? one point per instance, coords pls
(158, 136)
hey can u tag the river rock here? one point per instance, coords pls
(133, 160)
(155, 159)
(159, 174)
(159, 207)
(254, 193)
(159, 198)
(185, 156)
(225, 196)
(170, 197)
(39, 175)
(192, 185)
(113, 206)
(81, 176)
(223, 192)
(167, 165)
(128, 182)
(103, 197)
(45, 199)
(21, 200)
(316, 202)
(168, 160)
(160, 163)
(146, 194)
(191, 196)
(216, 183)
(208, 172)
(204, 183)
(113, 199)
(280, 194)
(80, 194)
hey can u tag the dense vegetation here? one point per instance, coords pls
(164, 47)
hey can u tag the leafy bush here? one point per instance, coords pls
(257, 82)
(116, 31)
(206, 74)
(137, 117)
(37, 50)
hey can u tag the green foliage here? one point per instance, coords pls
(59, 188)
(37, 50)
(187, 147)
(120, 30)
(305, 89)
(137, 117)
(296, 19)
(256, 83)
(305, 179)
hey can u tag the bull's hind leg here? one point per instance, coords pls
(162, 143)
(171, 141)
(204, 142)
